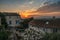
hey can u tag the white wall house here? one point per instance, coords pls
(12, 19)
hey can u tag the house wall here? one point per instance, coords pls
(42, 29)
(13, 20)
(48, 30)
(36, 28)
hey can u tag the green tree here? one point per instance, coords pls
(3, 21)
(55, 36)
(24, 24)
(3, 34)
(51, 36)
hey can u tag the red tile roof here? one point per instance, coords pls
(10, 13)
(53, 23)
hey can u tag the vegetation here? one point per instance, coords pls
(24, 24)
(3, 33)
(3, 21)
(51, 36)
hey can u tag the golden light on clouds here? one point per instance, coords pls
(26, 13)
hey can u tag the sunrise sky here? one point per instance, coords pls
(31, 7)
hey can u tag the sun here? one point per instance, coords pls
(25, 15)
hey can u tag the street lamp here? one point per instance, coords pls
(47, 22)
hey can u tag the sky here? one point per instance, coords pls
(31, 7)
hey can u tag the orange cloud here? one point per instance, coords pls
(26, 13)
(48, 10)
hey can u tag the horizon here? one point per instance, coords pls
(34, 16)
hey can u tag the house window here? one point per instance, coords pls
(10, 22)
(17, 21)
(17, 16)
(9, 16)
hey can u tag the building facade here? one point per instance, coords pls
(12, 19)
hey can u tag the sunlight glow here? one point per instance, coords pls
(24, 15)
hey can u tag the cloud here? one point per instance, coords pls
(55, 7)
(31, 2)
(51, 7)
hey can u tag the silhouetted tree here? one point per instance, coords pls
(24, 24)
(3, 34)
(3, 21)
(51, 36)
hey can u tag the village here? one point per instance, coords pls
(28, 29)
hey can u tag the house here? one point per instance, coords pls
(12, 19)
(46, 25)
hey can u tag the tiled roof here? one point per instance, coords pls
(10, 14)
(42, 23)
